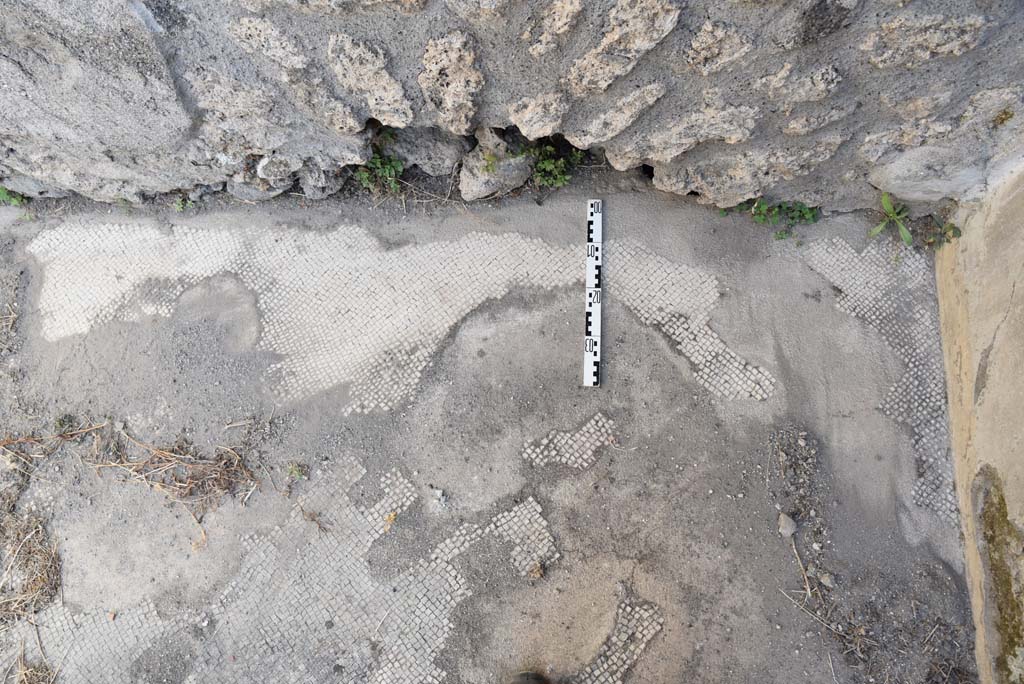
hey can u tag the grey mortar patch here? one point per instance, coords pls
(892, 290)
(399, 303)
(306, 606)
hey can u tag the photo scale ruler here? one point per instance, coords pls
(592, 331)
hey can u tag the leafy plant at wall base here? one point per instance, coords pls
(551, 168)
(789, 213)
(382, 171)
(11, 198)
(941, 233)
(762, 212)
(895, 215)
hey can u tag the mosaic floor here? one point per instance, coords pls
(98, 272)
(316, 608)
(339, 308)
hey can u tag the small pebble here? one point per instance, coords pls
(787, 526)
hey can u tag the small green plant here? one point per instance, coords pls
(183, 203)
(553, 168)
(783, 234)
(382, 172)
(294, 473)
(895, 215)
(762, 212)
(940, 233)
(788, 213)
(11, 198)
(297, 471)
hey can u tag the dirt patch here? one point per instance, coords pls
(886, 624)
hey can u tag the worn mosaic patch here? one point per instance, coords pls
(306, 607)
(577, 449)
(339, 308)
(890, 287)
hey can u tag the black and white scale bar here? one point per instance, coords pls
(592, 318)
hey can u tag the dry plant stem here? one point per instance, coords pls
(203, 538)
(34, 674)
(12, 441)
(14, 558)
(803, 571)
(37, 561)
(189, 477)
(60, 665)
(812, 615)
(39, 645)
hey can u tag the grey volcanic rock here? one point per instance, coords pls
(433, 151)
(824, 101)
(491, 169)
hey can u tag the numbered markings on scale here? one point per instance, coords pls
(591, 361)
(593, 315)
(592, 312)
(593, 274)
(595, 219)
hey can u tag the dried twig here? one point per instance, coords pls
(9, 319)
(314, 517)
(379, 624)
(201, 543)
(14, 556)
(803, 570)
(32, 674)
(32, 576)
(181, 472)
(812, 615)
(69, 434)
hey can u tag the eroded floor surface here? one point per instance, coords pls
(429, 495)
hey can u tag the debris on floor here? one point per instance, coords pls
(878, 630)
(181, 471)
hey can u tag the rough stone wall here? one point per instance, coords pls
(820, 100)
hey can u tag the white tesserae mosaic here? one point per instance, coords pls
(890, 287)
(306, 606)
(338, 307)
